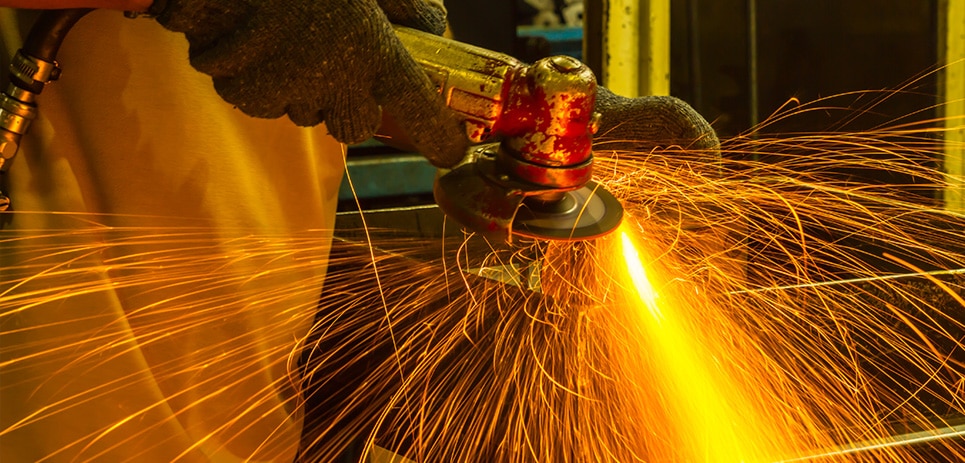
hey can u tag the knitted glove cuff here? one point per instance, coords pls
(643, 123)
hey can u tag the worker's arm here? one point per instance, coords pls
(130, 5)
(333, 61)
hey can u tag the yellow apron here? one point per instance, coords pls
(163, 262)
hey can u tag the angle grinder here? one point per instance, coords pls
(530, 171)
(530, 174)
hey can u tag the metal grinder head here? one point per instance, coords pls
(535, 180)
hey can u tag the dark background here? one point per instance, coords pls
(805, 49)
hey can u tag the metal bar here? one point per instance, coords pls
(657, 47)
(956, 432)
(851, 281)
(696, 72)
(593, 36)
(953, 80)
(628, 45)
(752, 58)
(622, 42)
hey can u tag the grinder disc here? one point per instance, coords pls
(586, 213)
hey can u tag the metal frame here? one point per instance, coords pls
(627, 45)
(952, 48)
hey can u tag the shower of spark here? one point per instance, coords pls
(767, 305)
(716, 429)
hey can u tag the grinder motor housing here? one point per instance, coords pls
(543, 116)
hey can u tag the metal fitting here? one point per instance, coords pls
(15, 115)
(9, 145)
(33, 70)
(8, 148)
(18, 108)
(15, 119)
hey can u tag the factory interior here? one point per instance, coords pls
(816, 254)
(804, 52)
(740, 64)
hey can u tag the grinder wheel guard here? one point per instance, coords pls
(496, 207)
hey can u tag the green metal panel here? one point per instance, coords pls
(387, 176)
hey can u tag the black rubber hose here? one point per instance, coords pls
(45, 38)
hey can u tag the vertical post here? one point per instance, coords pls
(622, 51)
(752, 63)
(628, 45)
(656, 43)
(953, 82)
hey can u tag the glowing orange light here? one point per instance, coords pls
(638, 275)
(714, 416)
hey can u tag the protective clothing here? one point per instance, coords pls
(336, 61)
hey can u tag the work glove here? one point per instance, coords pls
(645, 123)
(332, 61)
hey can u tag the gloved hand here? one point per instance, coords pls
(335, 61)
(642, 124)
